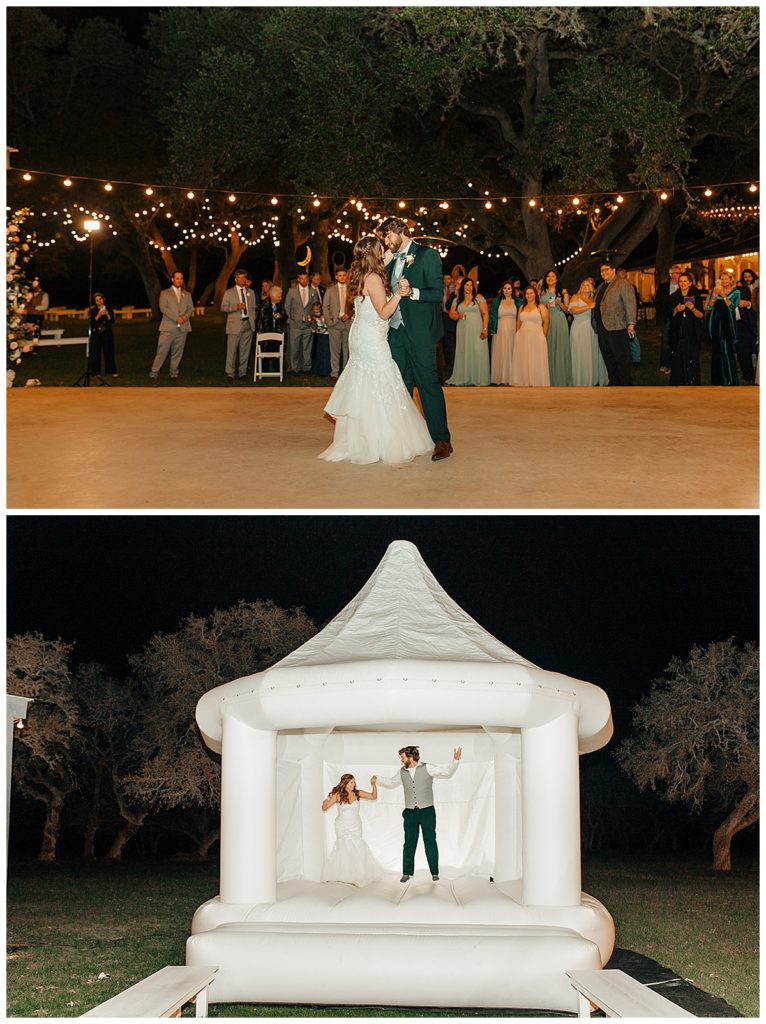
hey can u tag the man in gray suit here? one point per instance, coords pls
(300, 298)
(177, 308)
(239, 303)
(615, 315)
(338, 318)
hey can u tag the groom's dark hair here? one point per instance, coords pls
(413, 752)
(395, 224)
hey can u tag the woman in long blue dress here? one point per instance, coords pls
(556, 300)
(722, 327)
(471, 345)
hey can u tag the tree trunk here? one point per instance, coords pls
(51, 829)
(667, 229)
(191, 281)
(238, 247)
(137, 251)
(539, 258)
(203, 847)
(744, 814)
(165, 253)
(91, 825)
(132, 822)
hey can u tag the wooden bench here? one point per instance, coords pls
(43, 341)
(161, 995)
(51, 332)
(619, 995)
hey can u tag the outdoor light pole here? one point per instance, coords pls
(91, 226)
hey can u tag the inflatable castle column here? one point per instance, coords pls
(248, 813)
(312, 795)
(507, 818)
(550, 810)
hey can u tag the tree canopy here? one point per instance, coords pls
(696, 737)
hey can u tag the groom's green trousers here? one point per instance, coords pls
(421, 818)
(416, 360)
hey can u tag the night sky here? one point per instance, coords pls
(609, 599)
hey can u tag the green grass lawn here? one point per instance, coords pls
(68, 923)
(205, 353)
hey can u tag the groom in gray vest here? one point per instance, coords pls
(417, 780)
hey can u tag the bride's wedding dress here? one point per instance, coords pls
(376, 420)
(351, 859)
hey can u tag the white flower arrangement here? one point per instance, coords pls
(409, 260)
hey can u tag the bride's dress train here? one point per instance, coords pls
(376, 420)
(351, 859)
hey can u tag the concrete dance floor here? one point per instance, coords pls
(243, 448)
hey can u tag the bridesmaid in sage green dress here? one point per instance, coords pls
(471, 346)
(556, 299)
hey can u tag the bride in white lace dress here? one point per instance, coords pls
(376, 420)
(351, 859)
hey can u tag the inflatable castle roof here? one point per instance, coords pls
(402, 651)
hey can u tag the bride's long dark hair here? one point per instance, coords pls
(368, 259)
(340, 789)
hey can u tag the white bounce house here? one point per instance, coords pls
(403, 664)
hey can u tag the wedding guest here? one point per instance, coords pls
(265, 290)
(502, 328)
(518, 292)
(36, 305)
(471, 347)
(300, 298)
(272, 319)
(239, 304)
(588, 367)
(635, 346)
(664, 302)
(316, 284)
(615, 314)
(101, 319)
(556, 299)
(722, 327)
(339, 314)
(320, 360)
(747, 345)
(686, 330)
(177, 309)
(530, 348)
(449, 328)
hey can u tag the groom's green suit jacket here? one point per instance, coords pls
(423, 319)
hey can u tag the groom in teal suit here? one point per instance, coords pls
(416, 326)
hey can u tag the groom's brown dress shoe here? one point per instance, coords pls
(442, 450)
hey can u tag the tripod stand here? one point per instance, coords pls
(83, 381)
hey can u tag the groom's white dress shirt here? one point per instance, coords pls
(436, 771)
(415, 293)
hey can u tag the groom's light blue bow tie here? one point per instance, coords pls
(400, 256)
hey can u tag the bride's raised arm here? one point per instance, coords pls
(332, 798)
(364, 795)
(374, 287)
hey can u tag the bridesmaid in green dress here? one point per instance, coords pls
(556, 299)
(471, 346)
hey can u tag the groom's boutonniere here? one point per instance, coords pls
(409, 260)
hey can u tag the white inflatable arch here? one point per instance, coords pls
(403, 664)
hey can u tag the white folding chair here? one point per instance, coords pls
(260, 355)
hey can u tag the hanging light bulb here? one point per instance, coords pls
(663, 196)
(190, 195)
(533, 202)
(401, 204)
(708, 192)
(232, 198)
(315, 203)
(108, 187)
(575, 201)
(620, 199)
(275, 202)
(149, 191)
(753, 188)
(68, 182)
(27, 176)
(488, 205)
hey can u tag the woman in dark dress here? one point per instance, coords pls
(747, 344)
(722, 327)
(685, 334)
(101, 318)
(272, 319)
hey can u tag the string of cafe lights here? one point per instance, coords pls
(563, 204)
